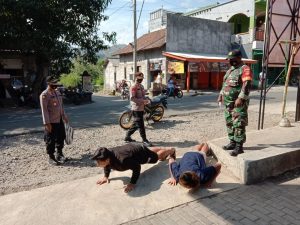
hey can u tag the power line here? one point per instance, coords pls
(140, 14)
(119, 9)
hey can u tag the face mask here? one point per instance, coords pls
(139, 80)
(233, 63)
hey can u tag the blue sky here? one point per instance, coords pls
(120, 14)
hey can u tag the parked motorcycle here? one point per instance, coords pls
(153, 111)
(177, 92)
(23, 94)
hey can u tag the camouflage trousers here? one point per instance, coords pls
(236, 121)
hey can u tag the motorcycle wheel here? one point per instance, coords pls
(158, 113)
(179, 94)
(125, 120)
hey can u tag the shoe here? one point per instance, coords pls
(129, 139)
(230, 146)
(237, 150)
(53, 161)
(61, 158)
(147, 143)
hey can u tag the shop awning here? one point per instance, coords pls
(198, 57)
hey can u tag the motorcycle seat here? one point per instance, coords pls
(157, 100)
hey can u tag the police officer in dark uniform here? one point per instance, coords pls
(138, 102)
(53, 117)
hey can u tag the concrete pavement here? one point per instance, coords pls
(155, 202)
(83, 202)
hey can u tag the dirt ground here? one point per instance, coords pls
(24, 163)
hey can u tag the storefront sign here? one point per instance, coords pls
(204, 67)
(194, 67)
(175, 67)
(214, 67)
(155, 66)
(224, 67)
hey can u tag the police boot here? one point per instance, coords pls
(237, 150)
(60, 156)
(230, 146)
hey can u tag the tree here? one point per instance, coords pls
(56, 31)
(73, 79)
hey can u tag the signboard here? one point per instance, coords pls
(175, 67)
(224, 67)
(194, 67)
(155, 66)
(87, 84)
(214, 67)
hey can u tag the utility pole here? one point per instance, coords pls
(294, 49)
(134, 37)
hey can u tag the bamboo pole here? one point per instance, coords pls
(284, 120)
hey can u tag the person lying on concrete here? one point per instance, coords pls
(129, 157)
(191, 171)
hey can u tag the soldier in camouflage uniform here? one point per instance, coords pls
(235, 96)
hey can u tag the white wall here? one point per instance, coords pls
(225, 11)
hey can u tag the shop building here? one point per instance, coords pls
(193, 49)
(248, 24)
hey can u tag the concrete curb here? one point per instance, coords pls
(270, 152)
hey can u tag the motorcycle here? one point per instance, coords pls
(177, 92)
(153, 111)
(125, 93)
(24, 94)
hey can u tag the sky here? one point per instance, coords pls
(120, 14)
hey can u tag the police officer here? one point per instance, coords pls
(138, 102)
(235, 95)
(53, 117)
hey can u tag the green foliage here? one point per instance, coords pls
(55, 31)
(73, 79)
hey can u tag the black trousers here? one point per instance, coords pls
(55, 138)
(138, 124)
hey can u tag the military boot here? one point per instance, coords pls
(230, 146)
(237, 150)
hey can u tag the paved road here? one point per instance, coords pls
(106, 110)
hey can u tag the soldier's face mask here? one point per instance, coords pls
(53, 87)
(233, 62)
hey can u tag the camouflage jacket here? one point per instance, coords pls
(236, 84)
